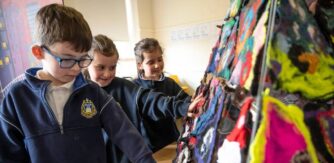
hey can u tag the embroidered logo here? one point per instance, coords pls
(88, 109)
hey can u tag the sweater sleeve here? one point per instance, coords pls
(12, 149)
(123, 133)
(156, 105)
(179, 92)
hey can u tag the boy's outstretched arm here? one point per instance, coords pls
(122, 133)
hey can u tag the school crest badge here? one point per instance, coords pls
(88, 109)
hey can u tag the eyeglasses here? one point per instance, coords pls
(83, 62)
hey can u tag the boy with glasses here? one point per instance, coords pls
(54, 115)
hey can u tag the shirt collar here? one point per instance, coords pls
(66, 86)
(162, 77)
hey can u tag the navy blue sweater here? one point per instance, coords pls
(165, 85)
(29, 131)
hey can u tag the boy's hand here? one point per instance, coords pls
(193, 110)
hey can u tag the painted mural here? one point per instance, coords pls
(16, 36)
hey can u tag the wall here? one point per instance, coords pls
(104, 16)
(108, 17)
(187, 31)
(145, 16)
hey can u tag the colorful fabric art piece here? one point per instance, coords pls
(301, 59)
(220, 45)
(215, 54)
(250, 42)
(223, 68)
(206, 124)
(236, 141)
(187, 141)
(326, 121)
(226, 124)
(324, 15)
(257, 40)
(282, 135)
(312, 111)
(227, 30)
(248, 19)
(234, 8)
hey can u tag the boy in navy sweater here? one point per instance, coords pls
(145, 107)
(54, 115)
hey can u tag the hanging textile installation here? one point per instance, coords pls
(285, 47)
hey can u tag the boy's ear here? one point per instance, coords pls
(37, 51)
(139, 67)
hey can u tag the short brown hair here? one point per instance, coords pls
(59, 23)
(147, 45)
(104, 45)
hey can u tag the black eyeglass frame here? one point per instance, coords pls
(70, 62)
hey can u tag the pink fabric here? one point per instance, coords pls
(283, 140)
